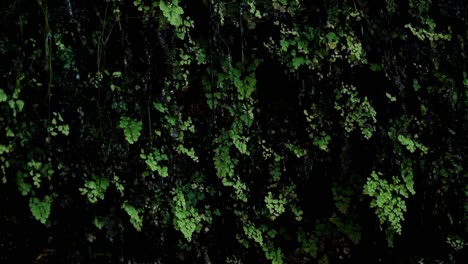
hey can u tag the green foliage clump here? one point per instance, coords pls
(456, 243)
(412, 145)
(317, 131)
(357, 112)
(309, 244)
(57, 125)
(40, 208)
(135, 215)
(186, 218)
(95, 188)
(389, 198)
(154, 160)
(275, 206)
(131, 128)
(3, 96)
(172, 12)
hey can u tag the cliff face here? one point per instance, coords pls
(233, 131)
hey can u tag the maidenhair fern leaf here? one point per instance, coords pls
(172, 12)
(3, 96)
(135, 218)
(95, 189)
(40, 209)
(132, 129)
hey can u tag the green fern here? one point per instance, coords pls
(154, 161)
(411, 144)
(276, 207)
(40, 209)
(186, 217)
(135, 216)
(172, 12)
(131, 129)
(389, 198)
(58, 125)
(358, 113)
(95, 189)
(3, 96)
